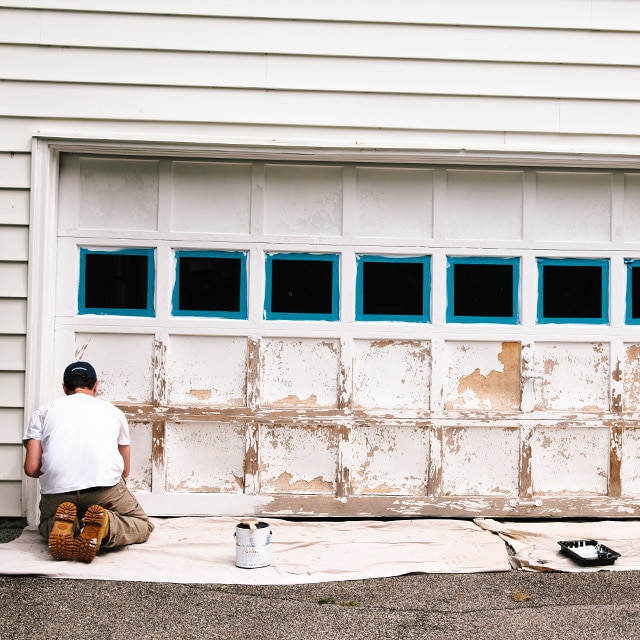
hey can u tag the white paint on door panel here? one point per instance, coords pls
(141, 456)
(389, 460)
(303, 200)
(299, 373)
(205, 370)
(123, 363)
(484, 204)
(631, 378)
(394, 202)
(573, 206)
(570, 460)
(118, 194)
(575, 376)
(480, 460)
(211, 197)
(631, 207)
(392, 374)
(629, 468)
(298, 460)
(204, 457)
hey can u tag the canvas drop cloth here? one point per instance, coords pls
(535, 546)
(202, 550)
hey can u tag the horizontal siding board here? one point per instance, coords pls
(12, 352)
(238, 35)
(11, 499)
(10, 462)
(436, 77)
(279, 107)
(12, 389)
(311, 109)
(13, 280)
(11, 426)
(615, 14)
(119, 66)
(14, 243)
(528, 13)
(20, 26)
(15, 169)
(13, 316)
(613, 118)
(427, 77)
(14, 204)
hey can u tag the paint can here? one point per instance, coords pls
(253, 544)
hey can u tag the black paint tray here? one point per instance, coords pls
(589, 552)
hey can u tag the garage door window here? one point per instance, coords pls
(211, 283)
(573, 290)
(390, 288)
(633, 291)
(301, 286)
(117, 282)
(482, 289)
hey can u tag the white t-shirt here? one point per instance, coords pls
(80, 435)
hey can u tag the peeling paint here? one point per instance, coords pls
(576, 377)
(285, 482)
(200, 394)
(485, 387)
(293, 401)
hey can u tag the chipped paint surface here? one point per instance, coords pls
(390, 460)
(631, 378)
(570, 460)
(630, 468)
(392, 374)
(204, 457)
(483, 375)
(575, 376)
(480, 461)
(299, 373)
(207, 370)
(141, 456)
(298, 460)
(125, 367)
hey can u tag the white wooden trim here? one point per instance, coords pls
(57, 141)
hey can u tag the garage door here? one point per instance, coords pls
(333, 339)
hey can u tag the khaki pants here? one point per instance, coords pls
(128, 523)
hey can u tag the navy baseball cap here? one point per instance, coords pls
(79, 372)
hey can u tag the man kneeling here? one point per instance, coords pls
(78, 446)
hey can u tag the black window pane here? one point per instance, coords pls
(572, 291)
(116, 281)
(635, 293)
(483, 290)
(301, 286)
(209, 284)
(390, 288)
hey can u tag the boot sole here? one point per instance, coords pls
(61, 540)
(88, 543)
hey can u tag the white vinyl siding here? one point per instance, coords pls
(545, 76)
(15, 169)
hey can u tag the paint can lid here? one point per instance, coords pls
(252, 523)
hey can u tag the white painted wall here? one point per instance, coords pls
(536, 75)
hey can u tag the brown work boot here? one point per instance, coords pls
(61, 538)
(95, 530)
